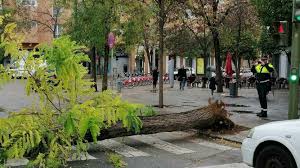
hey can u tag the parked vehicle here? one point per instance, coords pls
(17, 70)
(245, 73)
(275, 144)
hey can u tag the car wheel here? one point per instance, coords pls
(275, 157)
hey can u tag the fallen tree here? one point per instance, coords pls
(213, 115)
(70, 113)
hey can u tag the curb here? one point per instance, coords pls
(230, 139)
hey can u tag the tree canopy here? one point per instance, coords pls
(273, 10)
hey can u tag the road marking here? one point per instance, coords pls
(122, 149)
(233, 165)
(163, 145)
(81, 156)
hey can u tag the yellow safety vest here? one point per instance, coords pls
(262, 69)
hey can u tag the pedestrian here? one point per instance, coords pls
(263, 70)
(204, 81)
(212, 85)
(227, 80)
(182, 77)
(155, 78)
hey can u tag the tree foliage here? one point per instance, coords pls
(240, 32)
(183, 43)
(63, 114)
(214, 13)
(247, 44)
(9, 44)
(266, 43)
(268, 12)
(273, 10)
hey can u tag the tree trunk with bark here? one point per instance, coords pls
(147, 50)
(105, 68)
(238, 57)
(213, 115)
(94, 68)
(161, 51)
(219, 77)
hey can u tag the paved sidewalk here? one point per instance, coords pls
(243, 108)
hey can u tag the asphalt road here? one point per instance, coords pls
(164, 150)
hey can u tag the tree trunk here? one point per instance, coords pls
(105, 68)
(161, 50)
(213, 115)
(147, 48)
(219, 77)
(206, 56)
(249, 63)
(94, 67)
(99, 64)
(238, 57)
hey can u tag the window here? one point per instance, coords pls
(33, 24)
(30, 25)
(29, 2)
(56, 11)
(58, 31)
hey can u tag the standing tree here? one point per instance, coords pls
(160, 10)
(91, 23)
(239, 35)
(141, 29)
(273, 10)
(214, 13)
(165, 7)
(268, 12)
(199, 32)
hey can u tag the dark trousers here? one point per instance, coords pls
(154, 83)
(182, 84)
(263, 89)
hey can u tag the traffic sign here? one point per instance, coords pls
(111, 40)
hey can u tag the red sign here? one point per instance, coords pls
(111, 40)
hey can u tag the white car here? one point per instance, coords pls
(275, 144)
(17, 70)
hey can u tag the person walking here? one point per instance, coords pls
(263, 70)
(155, 78)
(182, 77)
(212, 85)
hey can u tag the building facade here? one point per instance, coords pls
(39, 21)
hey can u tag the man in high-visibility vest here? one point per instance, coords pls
(263, 70)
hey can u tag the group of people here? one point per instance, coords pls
(182, 77)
